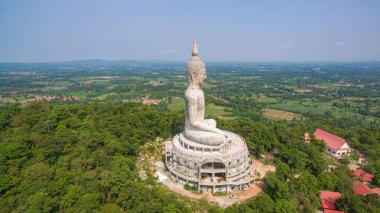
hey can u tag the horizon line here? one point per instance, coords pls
(180, 61)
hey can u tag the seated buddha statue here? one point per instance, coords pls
(197, 128)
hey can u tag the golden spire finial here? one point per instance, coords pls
(194, 52)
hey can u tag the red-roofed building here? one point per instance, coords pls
(332, 211)
(366, 177)
(376, 190)
(328, 199)
(361, 189)
(335, 145)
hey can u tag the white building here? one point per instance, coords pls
(335, 145)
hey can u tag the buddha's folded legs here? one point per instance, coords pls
(203, 137)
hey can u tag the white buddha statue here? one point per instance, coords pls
(197, 128)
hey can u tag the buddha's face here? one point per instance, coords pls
(196, 70)
(202, 75)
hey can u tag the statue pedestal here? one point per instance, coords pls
(209, 168)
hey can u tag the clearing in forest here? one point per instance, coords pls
(277, 114)
(157, 82)
(6, 100)
(102, 97)
(148, 101)
(302, 91)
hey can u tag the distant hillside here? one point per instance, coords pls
(88, 63)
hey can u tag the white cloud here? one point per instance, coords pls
(339, 43)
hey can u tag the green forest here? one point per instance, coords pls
(81, 158)
(79, 154)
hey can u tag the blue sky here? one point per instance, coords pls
(61, 30)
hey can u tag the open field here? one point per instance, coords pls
(49, 98)
(151, 101)
(304, 107)
(266, 100)
(268, 87)
(148, 101)
(7, 100)
(79, 94)
(318, 108)
(298, 90)
(102, 97)
(212, 110)
(276, 114)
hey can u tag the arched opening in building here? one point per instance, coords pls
(213, 165)
(213, 177)
(213, 170)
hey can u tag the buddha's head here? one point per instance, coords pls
(196, 68)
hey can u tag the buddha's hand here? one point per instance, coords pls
(218, 131)
(211, 122)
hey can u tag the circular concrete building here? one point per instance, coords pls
(204, 156)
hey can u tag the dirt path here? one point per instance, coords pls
(220, 99)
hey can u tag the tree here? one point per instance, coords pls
(7, 182)
(283, 171)
(327, 181)
(171, 208)
(40, 202)
(110, 208)
(275, 188)
(376, 179)
(285, 206)
(71, 196)
(307, 183)
(316, 163)
(329, 114)
(262, 203)
(350, 203)
(345, 182)
(308, 203)
(371, 200)
(38, 171)
(295, 159)
(86, 203)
